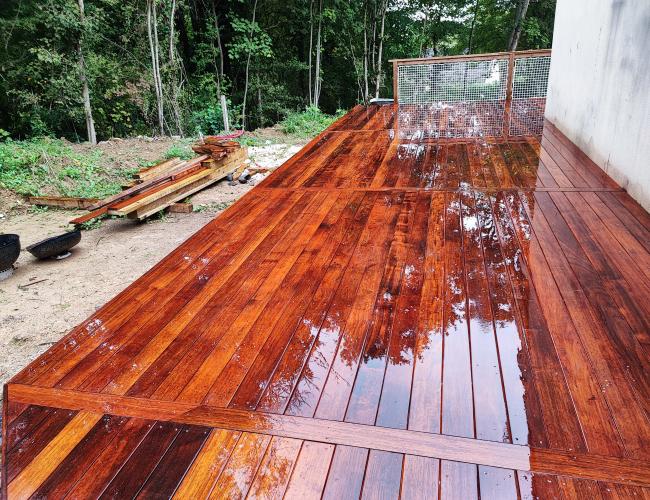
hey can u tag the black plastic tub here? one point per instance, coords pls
(56, 246)
(9, 250)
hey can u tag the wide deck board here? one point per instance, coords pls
(381, 288)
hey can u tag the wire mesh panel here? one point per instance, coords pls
(469, 97)
(529, 86)
(469, 81)
(446, 119)
(453, 98)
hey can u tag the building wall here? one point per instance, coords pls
(599, 86)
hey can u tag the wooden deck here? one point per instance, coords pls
(389, 313)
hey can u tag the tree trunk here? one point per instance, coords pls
(471, 32)
(365, 54)
(384, 8)
(90, 123)
(171, 32)
(520, 15)
(152, 31)
(311, 49)
(218, 67)
(248, 63)
(177, 71)
(317, 75)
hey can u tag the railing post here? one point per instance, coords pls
(508, 103)
(395, 80)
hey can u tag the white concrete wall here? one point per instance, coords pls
(599, 86)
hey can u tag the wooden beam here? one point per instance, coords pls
(459, 449)
(62, 201)
(149, 199)
(139, 188)
(473, 57)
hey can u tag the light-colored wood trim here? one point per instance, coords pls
(160, 194)
(62, 201)
(503, 455)
(473, 57)
(395, 82)
(174, 173)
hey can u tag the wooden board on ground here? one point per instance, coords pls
(162, 194)
(158, 169)
(156, 206)
(181, 208)
(62, 201)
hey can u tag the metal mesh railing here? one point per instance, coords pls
(456, 81)
(529, 86)
(468, 96)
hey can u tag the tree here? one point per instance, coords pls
(248, 64)
(520, 15)
(88, 112)
(161, 66)
(317, 73)
(152, 31)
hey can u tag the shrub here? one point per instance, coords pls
(308, 123)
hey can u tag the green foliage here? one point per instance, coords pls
(89, 225)
(40, 87)
(249, 38)
(181, 149)
(213, 207)
(50, 166)
(308, 123)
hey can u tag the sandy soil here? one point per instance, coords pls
(43, 300)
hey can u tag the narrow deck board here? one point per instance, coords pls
(394, 311)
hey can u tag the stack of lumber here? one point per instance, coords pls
(156, 188)
(216, 147)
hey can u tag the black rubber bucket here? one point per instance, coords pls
(9, 250)
(56, 246)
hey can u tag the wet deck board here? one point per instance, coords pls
(387, 313)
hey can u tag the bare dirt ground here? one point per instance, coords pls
(43, 300)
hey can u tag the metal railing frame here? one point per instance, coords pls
(511, 56)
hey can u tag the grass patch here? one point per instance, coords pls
(47, 166)
(251, 140)
(308, 123)
(213, 207)
(181, 149)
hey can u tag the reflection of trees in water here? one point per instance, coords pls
(492, 311)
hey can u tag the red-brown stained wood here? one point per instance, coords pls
(169, 472)
(135, 471)
(394, 311)
(76, 464)
(346, 473)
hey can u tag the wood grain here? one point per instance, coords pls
(410, 296)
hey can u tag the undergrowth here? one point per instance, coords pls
(47, 166)
(181, 149)
(308, 123)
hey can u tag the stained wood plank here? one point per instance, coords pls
(236, 478)
(380, 288)
(310, 472)
(27, 481)
(420, 478)
(383, 475)
(74, 467)
(346, 473)
(275, 470)
(208, 464)
(171, 468)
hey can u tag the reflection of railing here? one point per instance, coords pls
(502, 91)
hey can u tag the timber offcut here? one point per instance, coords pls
(390, 313)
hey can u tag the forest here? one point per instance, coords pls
(96, 69)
